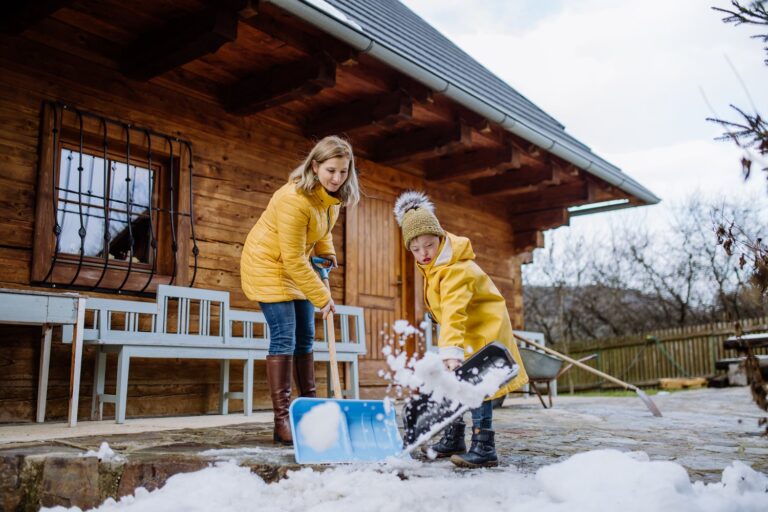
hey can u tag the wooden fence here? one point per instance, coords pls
(644, 359)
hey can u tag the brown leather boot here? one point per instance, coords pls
(279, 369)
(305, 374)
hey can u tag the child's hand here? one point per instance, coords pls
(451, 364)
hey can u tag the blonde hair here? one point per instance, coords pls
(329, 147)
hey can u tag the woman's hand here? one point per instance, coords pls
(328, 308)
(332, 259)
(451, 364)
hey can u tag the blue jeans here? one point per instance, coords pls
(483, 415)
(291, 326)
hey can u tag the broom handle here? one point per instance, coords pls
(331, 331)
(578, 363)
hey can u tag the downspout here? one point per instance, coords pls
(361, 42)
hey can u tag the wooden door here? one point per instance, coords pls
(374, 280)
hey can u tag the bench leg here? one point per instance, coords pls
(224, 387)
(248, 387)
(42, 382)
(77, 360)
(99, 376)
(121, 391)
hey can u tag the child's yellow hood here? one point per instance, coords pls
(452, 249)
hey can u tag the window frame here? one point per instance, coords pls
(65, 127)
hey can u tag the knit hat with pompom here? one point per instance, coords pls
(416, 215)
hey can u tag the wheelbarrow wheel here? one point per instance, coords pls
(498, 402)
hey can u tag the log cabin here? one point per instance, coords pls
(140, 141)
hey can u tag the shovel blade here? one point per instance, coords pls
(367, 432)
(648, 402)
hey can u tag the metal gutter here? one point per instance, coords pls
(356, 38)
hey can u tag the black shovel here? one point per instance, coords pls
(423, 418)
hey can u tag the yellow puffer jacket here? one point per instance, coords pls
(274, 265)
(467, 305)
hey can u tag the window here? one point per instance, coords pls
(125, 189)
(113, 208)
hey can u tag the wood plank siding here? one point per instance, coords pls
(244, 145)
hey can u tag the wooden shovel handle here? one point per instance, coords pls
(331, 331)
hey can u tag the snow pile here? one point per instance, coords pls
(320, 426)
(740, 478)
(600, 481)
(229, 453)
(105, 454)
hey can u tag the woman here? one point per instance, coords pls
(275, 269)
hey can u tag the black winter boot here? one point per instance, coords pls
(482, 452)
(452, 441)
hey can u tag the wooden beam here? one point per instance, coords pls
(421, 144)
(383, 109)
(514, 182)
(416, 90)
(476, 121)
(279, 84)
(181, 41)
(302, 41)
(526, 241)
(19, 15)
(540, 220)
(471, 165)
(563, 196)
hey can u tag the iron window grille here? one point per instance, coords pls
(114, 205)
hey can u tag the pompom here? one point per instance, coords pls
(411, 200)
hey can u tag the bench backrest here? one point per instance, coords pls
(193, 312)
(202, 318)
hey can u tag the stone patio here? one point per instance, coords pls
(703, 430)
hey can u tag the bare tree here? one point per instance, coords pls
(635, 280)
(750, 133)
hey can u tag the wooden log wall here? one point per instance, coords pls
(239, 162)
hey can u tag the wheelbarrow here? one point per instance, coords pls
(543, 369)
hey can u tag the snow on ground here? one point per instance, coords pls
(105, 453)
(598, 480)
(603, 480)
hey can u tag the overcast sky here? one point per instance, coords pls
(629, 79)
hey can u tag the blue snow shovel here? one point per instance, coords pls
(366, 430)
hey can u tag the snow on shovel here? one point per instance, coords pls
(327, 431)
(479, 377)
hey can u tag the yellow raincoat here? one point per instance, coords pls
(274, 265)
(467, 305)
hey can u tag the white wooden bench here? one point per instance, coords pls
(193, 323)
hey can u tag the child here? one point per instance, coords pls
(471, 313)
(275, 268)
